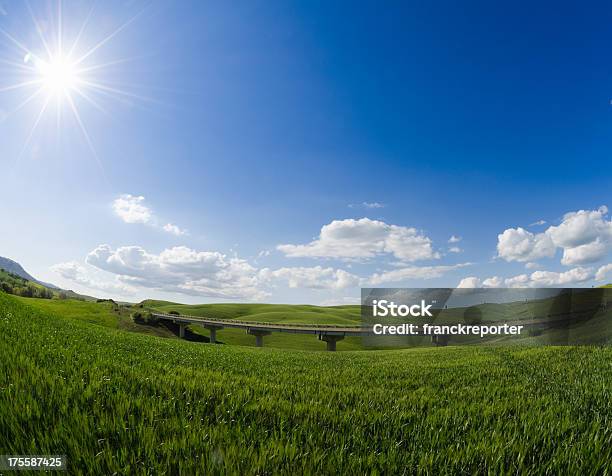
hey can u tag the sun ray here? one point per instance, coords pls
(108, 38)
(38, 29)
(59, 26)
(109, 89)
(23, 84)
(81, 30)
(90, 100)
(25, 67)
(33, 129)
(25, 102)
(17, 43)
(86, 134)
(97, 67)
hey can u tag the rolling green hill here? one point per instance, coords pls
(15, 268)
(297, 314)
(19, 285)
(126, 403)
(12, 283)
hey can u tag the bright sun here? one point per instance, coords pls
(59, 75)
(62, 72)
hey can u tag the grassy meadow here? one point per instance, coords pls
(119, 402)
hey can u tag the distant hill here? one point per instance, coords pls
(347, 315)
(16, 280)
(15, 268)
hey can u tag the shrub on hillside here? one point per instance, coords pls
(145, 318)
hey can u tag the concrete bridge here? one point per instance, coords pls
(329, 334)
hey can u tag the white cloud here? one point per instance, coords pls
(520, 281)
(78, 274)
(362, 239)
(182, 270)
(587, 253)
(603, 271)
(518, 244)
(581, 227)
(531, 265)
(539, 279)
(469, 282)
(175, 230)
(367, 205)
(493, 282)
(454, 239)
(131, 209)
(552, 279)
(372, 205)
(413, 272)
(315, 277)
(343, 301)
(585, 236)
(474, 282)
(454, 249)
(538, 223)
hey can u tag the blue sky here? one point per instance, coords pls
(253, 125)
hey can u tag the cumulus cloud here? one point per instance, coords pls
(520, 281)
(552, 279)
(518, 244)
(454, 239)
(454, 249)
(493, 282)
(315, 277)
(363, 239)
(474, 282)
(413, 272)
(603, 271)
(585, 236)
(131, 209)
(182, 270)
(73, 271)
(469, 282)
(587, 253)
(209, 273)
(537, 279)
(174, 230)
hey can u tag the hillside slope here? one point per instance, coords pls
(15, 268)
(290, 313)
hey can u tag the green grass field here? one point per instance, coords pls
(127, 403)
